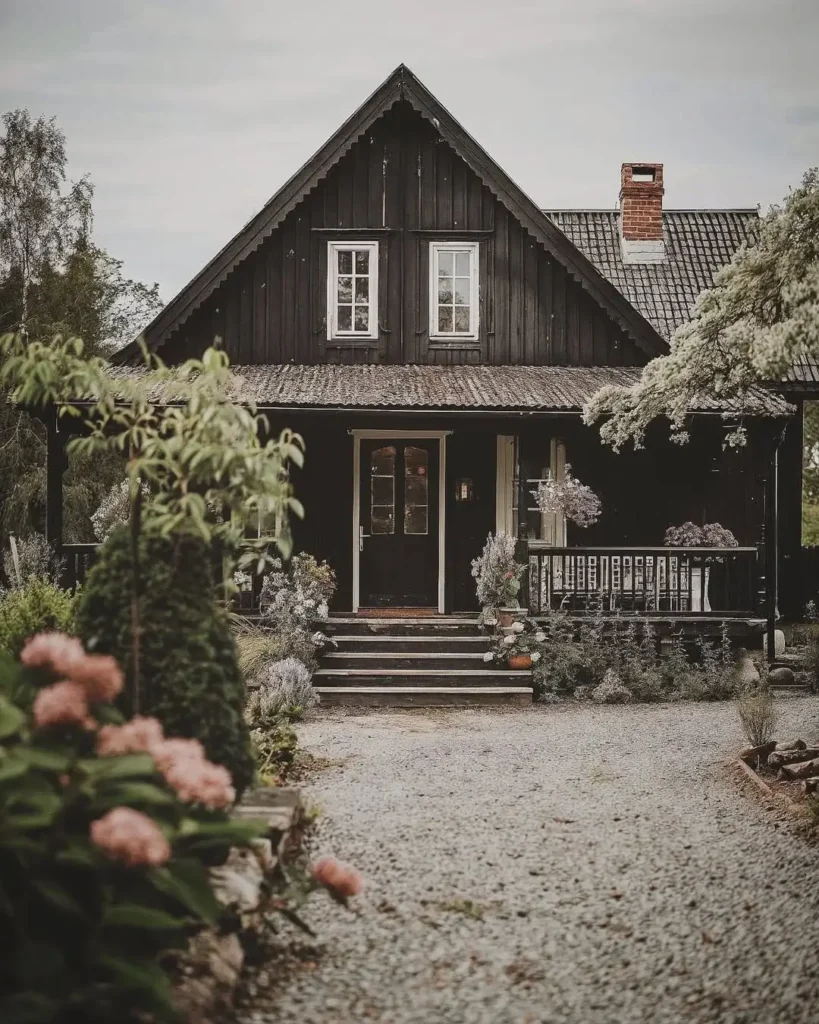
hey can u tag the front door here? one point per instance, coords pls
(398, 546)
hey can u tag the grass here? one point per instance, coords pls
(256, 646)
(757, 715)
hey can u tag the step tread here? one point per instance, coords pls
(461, 691)
(404, 655)
(480, 673)
(420, 620)
(397, 638)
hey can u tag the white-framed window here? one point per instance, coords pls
(352, 290)
(453, 291)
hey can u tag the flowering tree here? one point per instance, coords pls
(570, 498)
(757, 320)
(191, 441)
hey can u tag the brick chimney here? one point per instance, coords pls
(641, 213)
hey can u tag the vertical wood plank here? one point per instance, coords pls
(530, 299)
(559, 311)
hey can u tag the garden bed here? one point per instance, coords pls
(779, 781)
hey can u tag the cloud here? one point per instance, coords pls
(189, 114)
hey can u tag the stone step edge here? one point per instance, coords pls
(359, 638)
(410, 691)
(480, 673)
(406, 655)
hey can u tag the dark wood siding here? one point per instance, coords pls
(403, 186)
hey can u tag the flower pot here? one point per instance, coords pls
(506, 618)
(519, 661)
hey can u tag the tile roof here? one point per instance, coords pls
(697, 242)
(392, 386)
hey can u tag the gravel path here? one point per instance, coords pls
(556, 864)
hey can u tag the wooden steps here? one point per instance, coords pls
(414, 662)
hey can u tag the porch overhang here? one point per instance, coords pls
(386, 388)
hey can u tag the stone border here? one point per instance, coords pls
(781, 798)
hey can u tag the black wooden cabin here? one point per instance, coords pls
(433, 335)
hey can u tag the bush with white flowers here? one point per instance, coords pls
(570, 498)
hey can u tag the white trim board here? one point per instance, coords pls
(365, 433)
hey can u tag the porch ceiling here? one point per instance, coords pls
(366, 386)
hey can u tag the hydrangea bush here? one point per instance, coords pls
(107, 830)
(497, 575)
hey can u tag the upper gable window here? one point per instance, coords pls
(352, 290)
(453, 289)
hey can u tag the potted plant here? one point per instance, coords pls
(517, 648)
(711, 535)
(570, 498)
(497, 578)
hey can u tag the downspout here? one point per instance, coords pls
(772, 549)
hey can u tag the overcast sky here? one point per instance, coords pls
(189, 114)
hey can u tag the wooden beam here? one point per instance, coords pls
(55, 467)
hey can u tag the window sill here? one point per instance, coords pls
(448, 343)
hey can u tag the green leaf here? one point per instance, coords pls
(12, 767)
(121, 767)
(12, 718)
(57, 897)
(134, 915)
(237, 833)
(130, 794)
(41, 757)
(142, 976)
(187, 881)
(27, 1008)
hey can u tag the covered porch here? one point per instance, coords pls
(408, 469)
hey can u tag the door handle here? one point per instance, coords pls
(361, 536)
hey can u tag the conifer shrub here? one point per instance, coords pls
(189, 675)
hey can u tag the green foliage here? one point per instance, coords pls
(274, 747)
(31, 556)
(760, 317)
(577, 653)
(84, 934)
(497, 574)
(190, 678)
(757, 715)
(36, 607)
(257, 646)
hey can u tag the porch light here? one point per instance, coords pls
(464, 489)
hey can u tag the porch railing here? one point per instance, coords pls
(80, 557)
(722, 582)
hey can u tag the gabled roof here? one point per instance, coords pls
(401, 85)
(407, 387)
(698, 243)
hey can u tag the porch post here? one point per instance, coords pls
(55, 467)
(771, 551)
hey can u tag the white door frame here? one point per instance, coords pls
(441, 436)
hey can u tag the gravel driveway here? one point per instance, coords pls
(574, 864)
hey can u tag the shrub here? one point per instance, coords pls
(35, 557)
(757, 714)
(106, 839)
(36, 607)
(285, 688)
(315, 581)
(189, 675)
(497, 574)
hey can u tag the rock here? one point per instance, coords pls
(781, 757)
(779, 643)
(782, 676)
(803, 770)
(611, 690)
(213, 964)
(238, 882)
(761, 753)
(806, 679)
(792, 745)
(746, 674)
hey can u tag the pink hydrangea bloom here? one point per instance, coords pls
(198, 781)
(99, 674)
(341, 879)
(56, 650)
(131, 837)
(62, 703)
(170, 752)
(140, 735)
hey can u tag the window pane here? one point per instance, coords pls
(462, 290)
(445, 290)
(445, 262)
(345, 318)
(345, 289)
(362, 289)
(416, 490)
(362, 318)
(382, 519)
(416, 520)
(382, 490)
(362, 261)
(444, 319)
(462, 319)
(345, 261)
(462, 268)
